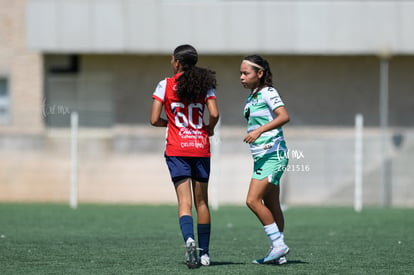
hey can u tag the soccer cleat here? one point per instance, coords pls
(275, 253)
(205, 259)
(280, 261)
(191, 255)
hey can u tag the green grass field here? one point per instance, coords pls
(132, 239)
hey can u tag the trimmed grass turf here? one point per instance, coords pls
(135, 239)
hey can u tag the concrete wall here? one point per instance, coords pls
(317, 90)
(320, 171)
(221, 27)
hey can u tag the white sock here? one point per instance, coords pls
(272, 231)
(189, 240)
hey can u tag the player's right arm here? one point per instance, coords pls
(157, 104)
(156, 119)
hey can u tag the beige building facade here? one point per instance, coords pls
(103, 60)
(21, 72)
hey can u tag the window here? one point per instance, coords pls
(4, 101)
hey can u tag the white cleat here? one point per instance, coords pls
(274, 254)
(205, 259)
(280, 261)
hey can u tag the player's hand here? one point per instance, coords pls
(210, 131)
(252, 136)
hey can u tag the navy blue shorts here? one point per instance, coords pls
(197, 168)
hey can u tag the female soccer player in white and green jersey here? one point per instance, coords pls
(266, 114)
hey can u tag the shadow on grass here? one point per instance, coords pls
(225, 263)
(221, 263)
(290, 262)
(296, 262)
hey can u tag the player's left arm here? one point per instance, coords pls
(213, 115)
(156, 119)
(282, 117)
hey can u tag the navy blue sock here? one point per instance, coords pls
(186, 225)
(203, 231)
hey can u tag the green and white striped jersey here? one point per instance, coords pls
(258, 111)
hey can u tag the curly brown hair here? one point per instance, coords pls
(194, 83)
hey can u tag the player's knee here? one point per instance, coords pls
(202, 205)
(185, 205)
(251, 203)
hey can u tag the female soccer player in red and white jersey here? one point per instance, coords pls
(184, 98)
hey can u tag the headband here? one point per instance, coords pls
(254, 64)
